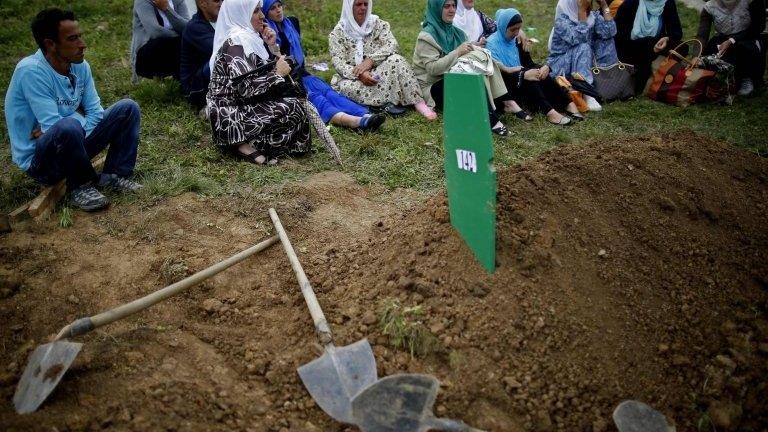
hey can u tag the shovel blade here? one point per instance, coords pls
(401, 402)
(46, 366)
(634, 416)
(334, 378)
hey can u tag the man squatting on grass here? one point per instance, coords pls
(55, 120)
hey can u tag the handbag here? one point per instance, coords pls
(722, 87)
(678, 79)
(614, 82)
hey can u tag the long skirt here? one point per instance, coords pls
(542, 96)
(327, 101)
(397, 85)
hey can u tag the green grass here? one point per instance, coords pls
(176, 155)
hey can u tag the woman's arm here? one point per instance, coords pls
(338, 50)
(604, 29)
(431, 58)
(145, 12)
(570, 32)
(672, 26)
(255, 84)
(178, 16)
(384, 43)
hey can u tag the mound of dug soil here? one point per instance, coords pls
(636, 269)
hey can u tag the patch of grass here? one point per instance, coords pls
(406, 330)
(176, 155)
(65, 217)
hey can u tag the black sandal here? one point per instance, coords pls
(254, 157)
(576, 116)
(501, 131)
(524, 116)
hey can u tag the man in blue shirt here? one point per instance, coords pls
(196, 51)
(55, 120)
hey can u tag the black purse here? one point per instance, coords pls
(291, 87)
(614, 82)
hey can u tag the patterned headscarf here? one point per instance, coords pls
(730, 16)
(355, 31)
(445, 34)
(469, 21)
(234, 23)
(293, 36)
(503, 49)
(647, 19)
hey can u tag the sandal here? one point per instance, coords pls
(524, 116)
(501, 131)
(576, 116)
(254, 157)
(564, 121)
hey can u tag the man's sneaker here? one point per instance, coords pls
(87, 198)
(746, 88)
(120, 184)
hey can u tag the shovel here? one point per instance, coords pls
(340, 373)
(49, 362)
(634, 416)
(402, 403)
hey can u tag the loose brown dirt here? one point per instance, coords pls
(635, 269)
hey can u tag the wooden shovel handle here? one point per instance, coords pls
(84, 325)
(318, 318)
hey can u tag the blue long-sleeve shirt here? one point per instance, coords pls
(38, 97)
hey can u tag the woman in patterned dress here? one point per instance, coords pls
(250, 116)
(369, 69)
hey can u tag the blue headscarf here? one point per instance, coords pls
(294, 38)
(648, 19)
(504, 50)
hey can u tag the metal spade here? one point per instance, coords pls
(402, 403)
(634, 416)
(49, 362)
(340, 373)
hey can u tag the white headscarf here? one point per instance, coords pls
(234, 22)
(571, 9)
(730, 16)
(355, 31)
(469, 21)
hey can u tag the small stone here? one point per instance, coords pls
(212, 305)
(663, 348)
(369, 318)
(437, 328)
(724, 415)
(680, 360)
(599, 425)
(72, 299)
(602, 253)
(511, 384)
(726, 362)
(479, 291)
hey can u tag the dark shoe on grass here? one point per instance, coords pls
(87, 198)
(371, 122)
(119, 184)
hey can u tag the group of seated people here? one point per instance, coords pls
(242, 62)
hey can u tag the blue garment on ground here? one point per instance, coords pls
(64, 152)
(327, 101)
(504, 50)
(576, 47)
(38, 97)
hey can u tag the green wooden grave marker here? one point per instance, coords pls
(469, 171)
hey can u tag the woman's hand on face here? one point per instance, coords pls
(161, 4)
(364, 66)
(544, 72)
(464, 48)
(661, 45)
(585, 5)
(282, 67)
(269, 36)
(531, 75)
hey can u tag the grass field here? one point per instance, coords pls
(176, 153)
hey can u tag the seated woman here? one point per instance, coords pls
(156, 40)
(580, 38)
(250, 114)
(646, 29)
(477, 25)
(333, 107)
(738, 24)
(527, 83)
(369, 69)
(438, 47)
